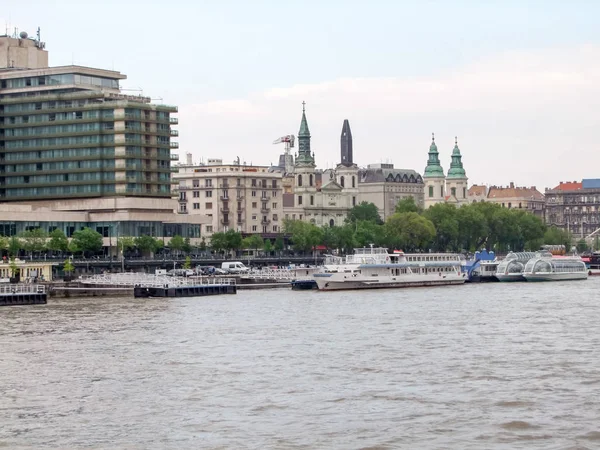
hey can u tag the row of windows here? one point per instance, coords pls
(139, 114)
(62, 177)
(106, 229)
(62, 165)
(60, 190)
(50, 105)
(452, 192)
(59, 129)
(60, 116)
(56, 80)
(67, 140)
(67, 153)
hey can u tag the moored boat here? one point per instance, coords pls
(375, 268)
(511, 268)
(555, 269)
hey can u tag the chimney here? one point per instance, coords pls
(512, 185)
(561, 182)
(533, 187)
(188, 157)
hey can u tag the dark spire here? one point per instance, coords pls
(346, 144)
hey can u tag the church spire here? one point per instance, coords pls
(456, 166)
(434, 167)
(304, 155)
(346, 145)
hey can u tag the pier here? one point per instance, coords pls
(22, 294)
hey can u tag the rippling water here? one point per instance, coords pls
(466, 367)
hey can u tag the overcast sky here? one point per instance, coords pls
(517, 83)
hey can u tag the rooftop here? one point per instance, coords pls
(512, 191)
(568, 186)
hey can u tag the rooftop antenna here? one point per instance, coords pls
(38, 35)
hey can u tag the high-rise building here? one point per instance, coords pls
(69, 131)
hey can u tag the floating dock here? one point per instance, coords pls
(199, 290)
(22, 294)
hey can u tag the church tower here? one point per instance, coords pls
(304, 157)
(346, 145)
(434, 177)
(456, 182)
(305, 181)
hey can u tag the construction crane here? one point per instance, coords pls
(288, 140)
(286, 160)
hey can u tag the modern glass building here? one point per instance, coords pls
(69, 132)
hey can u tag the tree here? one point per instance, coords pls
(407, 204)
(305, 236)
(13, 267)
(557, 236)
(188, 262)
(203, 245)
(364, 211)
(34, 240)
(146, 244)
(254, 241)
(279, 244)
(582, 246)
(409, 231)
(177, 244)
(187, 246)
(58, 241)
(14, 245)
(68, 267)
(472, 227)
(367, 233)
(218, 242)
(87, 241)
(233, 240)
(268, 247)
(444, 218)
(125, 243)
(3, 243)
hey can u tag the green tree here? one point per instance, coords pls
(268, 247)
(14, 246)
(582, 246)
(34, 240)
(367, 233)
(177, 244)
(58, 241)
(305, 236)
(472, 227)
(203, 245)
(409, 231)
(279, 244)
(233, 240)
(532, 230)
(407, 204)
(125, 243)
(187, 246)
(87, 241)
(12, 266)
(3, 243)
(188, 262)
(364, 211)
(146, 244)
(254, 241)
(557, 236)
(68, 267)
(218, 242)
(443, 216)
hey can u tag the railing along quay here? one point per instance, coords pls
(22, 294)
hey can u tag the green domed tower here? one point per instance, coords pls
(304, 157)
(456, 182)
(435, 181)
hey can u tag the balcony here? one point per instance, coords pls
(265, 210)
(239, 197)
(173, 120)
(174, 169)
(174, 133)
(174, 144)
(265, 222)
(225, 221)
(265, 198)
(174, 157)
(224, 186)
(225, 209)
(225, 198)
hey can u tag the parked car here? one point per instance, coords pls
(235, 267)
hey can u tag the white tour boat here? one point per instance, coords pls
(555, 269)
(511, 268)
(372, 268)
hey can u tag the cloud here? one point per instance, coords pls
(528, 117)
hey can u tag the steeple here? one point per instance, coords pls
(434, 168)
(346, 145)
(456, 166)
(304, 155)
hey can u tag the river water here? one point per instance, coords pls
(503, 366)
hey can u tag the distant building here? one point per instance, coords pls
(385, 186)
(477, 193)
(440, 188)
(237, 196)
(511, 196)
(575, 207)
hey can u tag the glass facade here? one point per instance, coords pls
(80, 141)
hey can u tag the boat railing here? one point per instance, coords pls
(271, 274)
(16, 289)
(130, 279)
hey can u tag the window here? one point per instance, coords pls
(274, 205)
(254, 228)
(275, 218)
(300, 216)
(299, 180)
(265, 229)
(209, 228)
(275, 228)
(353, 201)
(299, 199)
(238, 182)
(196, 183)
(264, 205)
(239, 205)
(310, 180)
(254, 205)
(254, 183)
(196, 205)
(442, 191)
(208, 183)
(253, 193)
(274, 193)
(208, 206)
(430, 191)
(274, 184)
(464, 192)
(196, 194)
(342, 181)
(253, 216)
(453, 191)
(353, 181)
(312, 200)
(208, 194)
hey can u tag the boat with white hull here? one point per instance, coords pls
(511, 268)
(375, 268)
(555, 269)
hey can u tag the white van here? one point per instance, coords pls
(234, 267)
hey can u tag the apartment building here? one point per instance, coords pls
(575, 207)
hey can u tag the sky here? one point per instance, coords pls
(516, 81)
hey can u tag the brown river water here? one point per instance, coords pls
(489, 366)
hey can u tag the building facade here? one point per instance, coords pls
(385, 186)
(574, 207)
(240, 197)
(515, 197)
(438, 187)
(323, 198)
